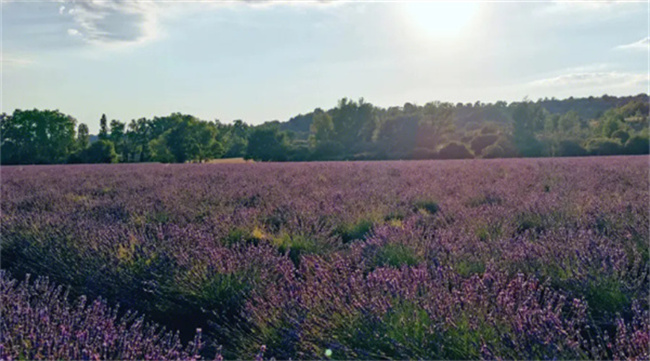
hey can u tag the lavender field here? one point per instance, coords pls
(466, 259)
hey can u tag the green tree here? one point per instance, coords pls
(603, 146)
(454, 150)
(101, 151)
(118, 137)
(267, 143)
(138, 137)
(354, 124)
(638, 144)
(83, 136)
(322, 128)
(189, 139)
(436, 123)
(103, 128)
(234, 138)
(396, 137)
(36, 137)
(528, 120)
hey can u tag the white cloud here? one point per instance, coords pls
(611, 79)
(120, 22)
(113, 22)
(15, 61)
(642, 44)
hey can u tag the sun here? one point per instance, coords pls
(439, 18)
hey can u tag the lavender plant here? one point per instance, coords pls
(40, 323)
(516, 258)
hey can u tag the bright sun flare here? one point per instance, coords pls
(443, 19)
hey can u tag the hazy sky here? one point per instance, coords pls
(263, 60)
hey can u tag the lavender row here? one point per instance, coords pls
(39, 322)
(304, 259)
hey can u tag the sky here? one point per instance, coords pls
(262, 60)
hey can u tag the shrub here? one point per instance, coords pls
(354, 230)
(603, 146)
(396, 255)
(427, 206)
(621, 135)
(295, 246)
(501, 149)
(490, 129)
(101, 151)
(483, 141)
(637, 144)
(454, 150)
(39, 322)
(423, 153)
(571, 148)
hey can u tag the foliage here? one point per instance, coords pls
(603, 146)
(454, 150)
(528, 119)
(187, 139)
(355, 130)
(571, 148)
(482, 141)
(36, 137)
(638, 144)
(39, 322)
(101, 151)
(267, 143)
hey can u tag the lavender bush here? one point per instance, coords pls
(39, 323)
(517, 258)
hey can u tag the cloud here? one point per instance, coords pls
(15, 61)
(113, 22)
(611, 79)
(123, 22)
(642, 44)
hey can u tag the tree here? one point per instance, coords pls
(138, 137)
(528, 119)
(397, 136)
(160, 152)
(103, 128)
(188, 139)
(503, 148)
(234, 138)
(101, 151)
(638, 144)
(611, 124)
(36, 137)
(267, 143)
(604, 146)
(570, 121)
(324, 143)
(83, 136)
(117, 136)
(482, 141)
(354, 124)
(454, 150)
(570, 148)
(322, 128)
(436, 122)
(621, 135)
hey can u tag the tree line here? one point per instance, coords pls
(352, 130)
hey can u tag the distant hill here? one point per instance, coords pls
(475, 115)
(589, 108)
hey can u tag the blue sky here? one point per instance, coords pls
(266, 60)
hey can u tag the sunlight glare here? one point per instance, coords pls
(439, 18)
